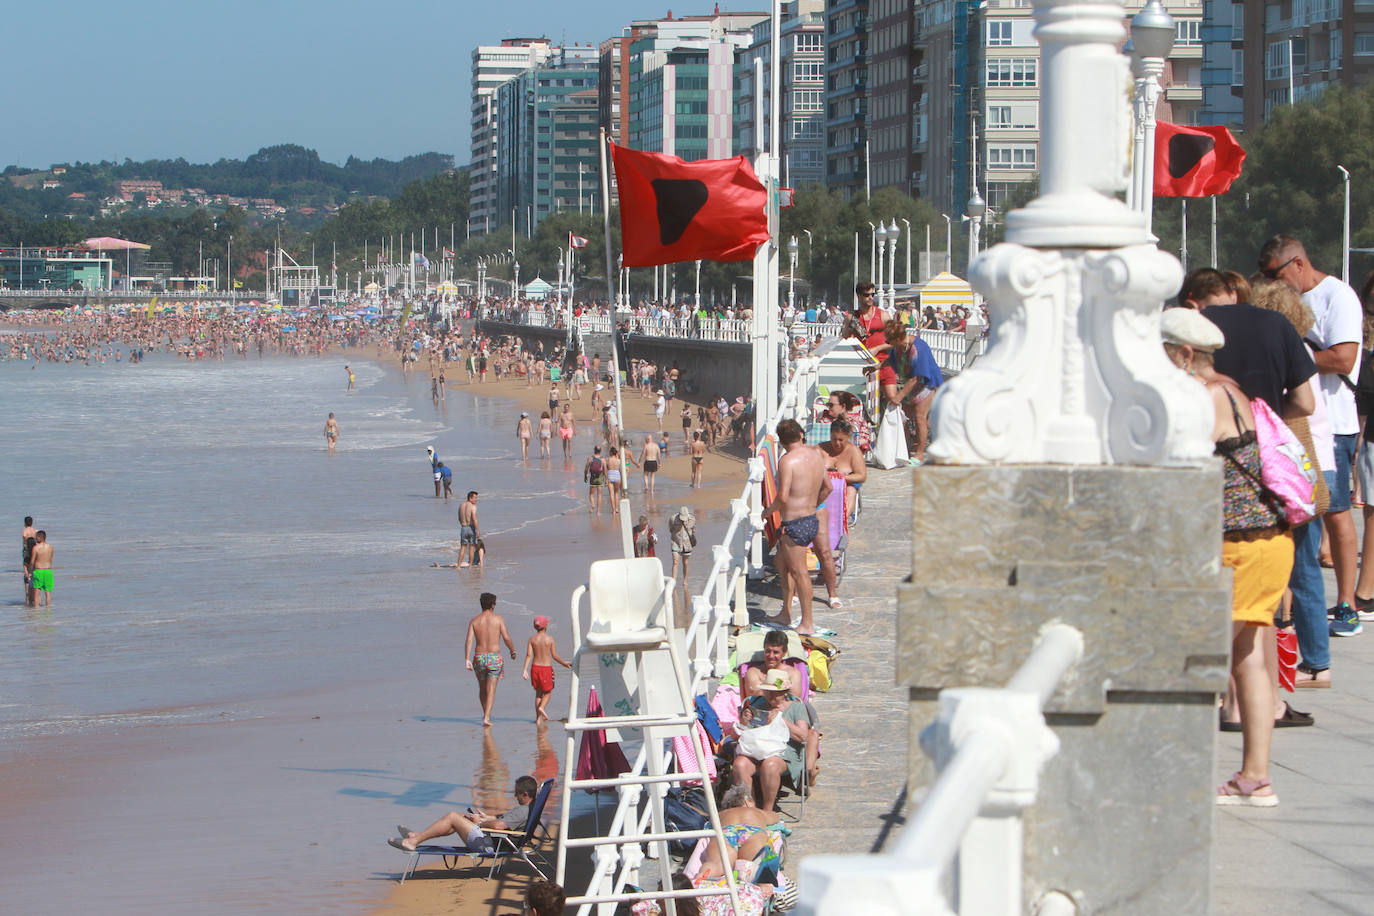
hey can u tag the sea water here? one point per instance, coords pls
(250, 672)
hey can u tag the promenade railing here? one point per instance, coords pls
(714, 609)
(953, 350)
(121, 296)
(988, 746)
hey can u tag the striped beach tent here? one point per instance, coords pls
(944, 291)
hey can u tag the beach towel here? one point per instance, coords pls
(768, 451)
(726, 703)
(685, 752)
(708, 718)
(598, 758)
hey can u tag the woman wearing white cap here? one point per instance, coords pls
(682, 530)
(1257, 546)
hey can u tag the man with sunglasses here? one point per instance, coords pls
(1336, 339)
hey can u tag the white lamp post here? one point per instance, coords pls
(1152, 38)
(975, 208)
(791, 274)
(872, 254)
(893, 233)
(907, 223)
(949, 244)
(698, 293)
(808, 254)
(1345, 229)
(879, 244)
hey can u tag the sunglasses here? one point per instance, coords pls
(1273, 274)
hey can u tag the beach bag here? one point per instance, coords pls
(890, 450)
(764, 741)
(1285, 469)
(684, 811)
(819, 663)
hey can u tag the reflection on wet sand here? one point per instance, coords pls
(492, 781)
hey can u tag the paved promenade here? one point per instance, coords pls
(1314, 853)
(861, 790)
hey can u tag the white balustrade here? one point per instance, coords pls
(988, 746)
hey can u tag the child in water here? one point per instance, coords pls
(540, 654)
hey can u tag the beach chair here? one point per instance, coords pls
(507, 844)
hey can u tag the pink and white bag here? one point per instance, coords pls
(1285, 468)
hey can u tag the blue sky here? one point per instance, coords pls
(143, 79)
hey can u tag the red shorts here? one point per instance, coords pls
(541, 678)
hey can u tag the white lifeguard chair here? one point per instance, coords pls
(631, 636)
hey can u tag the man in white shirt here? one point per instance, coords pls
(1336, 337)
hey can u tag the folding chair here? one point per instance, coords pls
(507, 844)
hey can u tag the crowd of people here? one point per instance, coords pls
(1293, 342)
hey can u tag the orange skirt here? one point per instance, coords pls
(1260, 571)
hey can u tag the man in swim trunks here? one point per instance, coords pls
(467, 530)
(567, 428)
(482, 649)
(540, 654)
(594, 475)
(40, 569)
(802, 485)
(648, 461)
(331, 432)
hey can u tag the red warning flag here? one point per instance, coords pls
(1195, 161)
(672, 210)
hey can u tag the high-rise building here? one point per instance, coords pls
(803, 103)
(1307, 45)
(681, 89)
(1223, 34)
(493, 65)
(546, 138)
(981, 76)
(894, 97)
(846, 95)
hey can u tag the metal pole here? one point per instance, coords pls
(1214, 230)
(949, 244)
(927, 251)
(907, 223)
(872, 254)
(1345, 230)
(1183, 236)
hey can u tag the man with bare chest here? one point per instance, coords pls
(802, 486)
(40, 569)
(482, 649)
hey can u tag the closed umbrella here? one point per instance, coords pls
(599, 758)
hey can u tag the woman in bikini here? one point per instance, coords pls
(545, 434)
(613, 479)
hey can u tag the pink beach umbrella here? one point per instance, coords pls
(599, 758)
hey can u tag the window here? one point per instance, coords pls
(1237, 22)
(999, 33)
(1020, 158)
(807, 41)
(1276, 60)
(1237, 67)
(1299, 52)
(1188, 32)
(807, 71)
(1012, 117)
(1012, 71)
(807, 100)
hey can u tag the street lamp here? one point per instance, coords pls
(975, 208)
(907, 223)
(698, 292)
(515, 286)
(872, 254)
(949, 244)
(808, 253)
(1345, 230)
(791, 274)
(1152, 38)
(893, 233)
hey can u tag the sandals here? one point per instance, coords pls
(1311, 678)
(1241, 792)
(1291, 718)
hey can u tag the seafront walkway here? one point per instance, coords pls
(1313, 854)
(858, 801)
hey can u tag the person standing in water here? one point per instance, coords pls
(482, 648)
(350, 378)
(467, 530)
(522, 432)
(40, 569)
(567, 428)
(331, 432)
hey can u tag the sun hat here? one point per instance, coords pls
(541, 622)
(775, 680)
(684, 512)
(524, 413)
(1186, 326)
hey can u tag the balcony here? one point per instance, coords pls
(1183, 94)
(921, 73)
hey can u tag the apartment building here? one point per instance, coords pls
(846, 95)
(894, 95)
(493, 65)
(1295, 49)
(803, 102)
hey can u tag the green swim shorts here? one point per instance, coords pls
(42, 580)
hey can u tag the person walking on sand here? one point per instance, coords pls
(553, 398)
(614, 475)
(648, 462)
(682, 532)
(644, 538)
(594, 475)
(698, 451)
(350, 378)
(540, 654)
(482, 649)
(40, 569)
(567, 428)
(467, 530)
(522, 431)
(659, 407)
(331, 432)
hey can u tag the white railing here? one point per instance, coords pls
(988, 745)
(714, 610)
(138, 295)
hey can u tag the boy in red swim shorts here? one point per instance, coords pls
(540, 654)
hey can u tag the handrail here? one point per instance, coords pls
(707, 639)
(988, 745)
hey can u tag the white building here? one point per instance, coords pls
(493, 65)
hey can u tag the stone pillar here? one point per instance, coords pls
(1073, 481)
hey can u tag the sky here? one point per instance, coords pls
(91, 80)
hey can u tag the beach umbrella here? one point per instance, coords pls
(599, 758)
(110, 243)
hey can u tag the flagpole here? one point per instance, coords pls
(610, 295)
(1214, 230)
